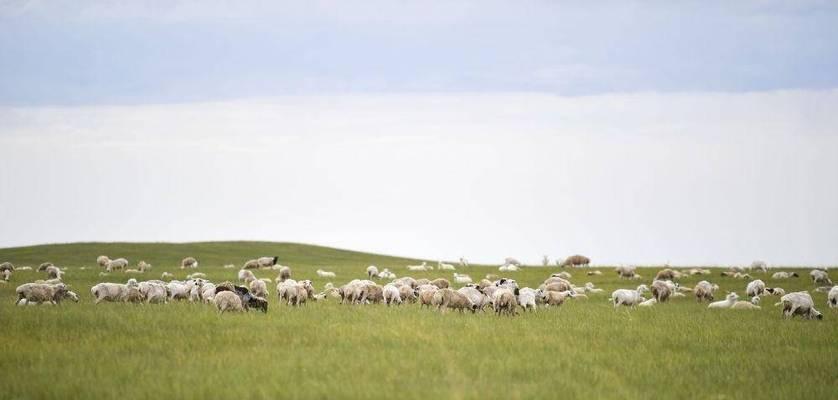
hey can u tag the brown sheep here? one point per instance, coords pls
(661, 291)
(665, 275)
(505, 302)
(251, 264)
(426, 296)
(407, 293)
(554, 298)
(576, 261)
(43, 267)
(441, 283)
(704, 291)
(483, 284)
(189, 262)
(558, 287)
(284, 273)
(449, 298)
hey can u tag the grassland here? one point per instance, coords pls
(585, 349)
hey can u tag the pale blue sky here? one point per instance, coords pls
(690, 133)
(105, 52)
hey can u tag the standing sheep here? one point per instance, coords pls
(228, 301)
(325, 274)
(463, 262)
(391, 294)
(441, 283)
(577, 261)
(759, 266)
(39, 293)
(626, 271)
(267, 262)
(6, 269)
(628, 297)
(251, 264)
(820, 277)
(832, 297)
(505, 302)
(43, 266)
(526, 299)
(661, 291)
(119, 263)
(444, 267)
(258, 288)
(704, 291)
(449, 298)
(284, 273)
(372, 272)
(189, 262)
(755, 288)
(54, 272)
(784, 275)
(799, 303)
(103, 261)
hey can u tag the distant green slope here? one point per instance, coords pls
(209, 254)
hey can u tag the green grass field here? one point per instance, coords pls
(584, 349)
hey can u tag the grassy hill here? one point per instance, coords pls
(209, 254)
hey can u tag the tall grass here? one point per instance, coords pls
(325, 350)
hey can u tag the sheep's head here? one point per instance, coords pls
(642, 289)
(731, 297)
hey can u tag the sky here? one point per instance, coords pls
(633, 133)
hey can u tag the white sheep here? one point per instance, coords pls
(258, 288)
(648, 303)
(784, 275)
(167, 275)
(759, 266)
(386, 274)
(462, 278)
(119, 263)
(728, 302)
(423, 267)
(526, 299)
(512, 261)
(589, 288)
(188, 262)
(444, 267)
(476, 296)
(228, 301)
(508, 268)
(112, 291)
(820, 277)
(626, 271)
(103, 261)
(154, 291)
(39, 293)
(246, 275)
(755, 288)
(325, 274)
(628, 297)
(372, 272)
(463, 262)
(832, 297)
(799, 303)
(267, 262)
(391, 294)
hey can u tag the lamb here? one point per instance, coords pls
(784, 275)
(246, 275)
(505, 302)
(648, 303)
(258, 288)
(391, 294)
(628, 297)
(704, 291)
(449, 298)
(728, 302)
(577, 261)
(372, 272)
(458, 278)
(526, 299)
(744, 305)
(626, 271)
(755, 288)
(775, 291)
(103, 261)
(284, 273)
(189, 262)
(119, 263)
(423, 267)
(39, 293)
(661, 291)
(799, 303)
(441, 283)
(444, 267)
(325, 274)
(820, 277)
(478, 298)
(832, 297)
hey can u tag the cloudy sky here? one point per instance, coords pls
(701, 132)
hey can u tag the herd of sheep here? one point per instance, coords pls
(501, 295)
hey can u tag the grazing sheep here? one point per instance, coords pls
(407, 293)
(423, 267)
(180, 290)
(820, 277)
(189, 262)
(832, 297)
(228, 301)
(441, 283)
(39, 293)
(553, 298)
(505, 302)
(154, 292)
(704, 291)
(119, 263)
(406, 281)
(196, 275)
(54, 272)
(444, 267)
(628, 297)
(478, 298)
(391, 294)
(247, 300)
(661, 291)
(449, 298)
(799, 303)
(526, 298)
(258, 288)
(245, 275)
(784, 275)
(115, 292)
(759, 266)
(775, 291)
(755, 300)
(744, 305)
(459, 278)
(143, 266)
(576, 261)
(728, 302)
(267, 262)
(372, 272)
(423, 281)
(755, 288)
(668, 274)
(167, 275)
(426, 294)
(325, 274)
(284, 273)
(103, 261)
(6, 269)
(626, 271)
(43, 266)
